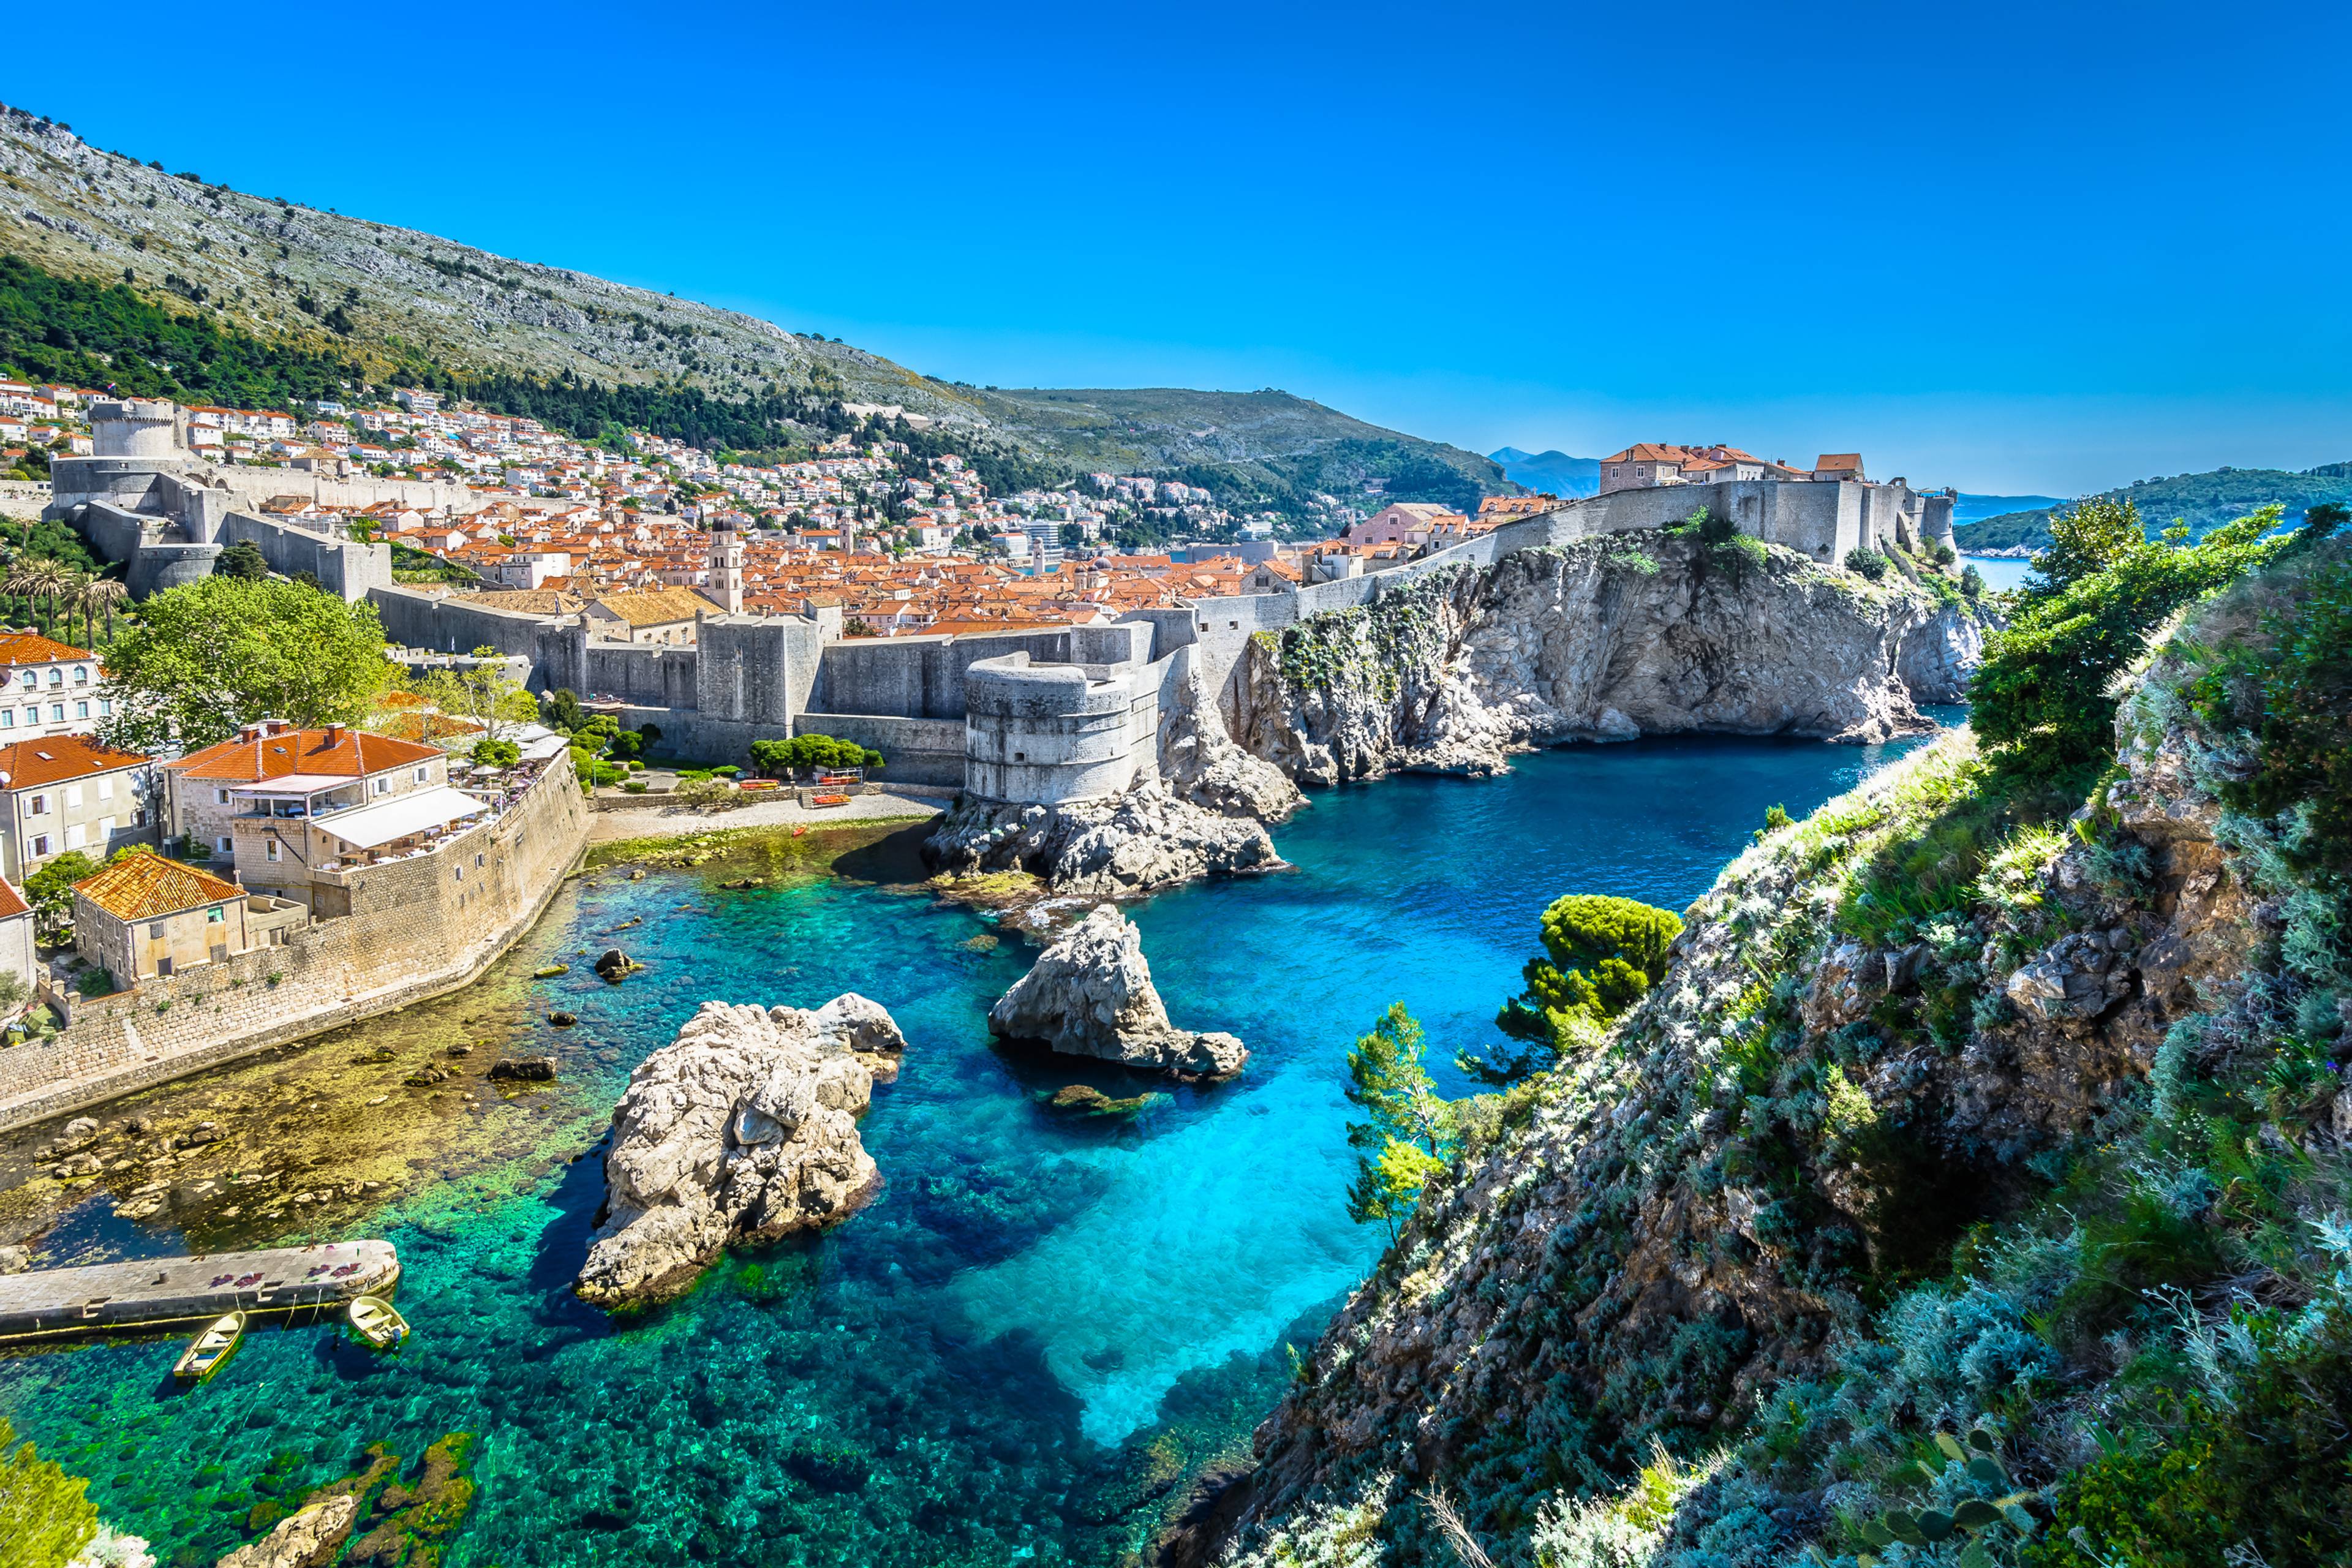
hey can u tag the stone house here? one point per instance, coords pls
(147, 916)
(68, 792)
(1403, 522)
(17, 954)
(49, 687)
(247, 804)
(648, 615)
(1839, 466)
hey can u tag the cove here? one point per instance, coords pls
(1039, 1327)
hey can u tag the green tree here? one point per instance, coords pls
(242, 560)
(2087, 536)
(483, 694)
(1409, 1133)
(1600, 953)
(49, 890)
(2042, 696)
(46, 1515)
(211, 655)
(497, 754)
(561, 709)
(812, 751)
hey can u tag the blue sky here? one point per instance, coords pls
(2047, 247)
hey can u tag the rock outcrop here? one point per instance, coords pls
(1090, 995)
(1200, 761)
(1115, 847)
(1605, 639)
(304, 1540)
(743, 1129)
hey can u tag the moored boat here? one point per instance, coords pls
(378, 1322)
(210, 1350)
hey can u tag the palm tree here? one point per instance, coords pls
(39, 577)
(101, 595)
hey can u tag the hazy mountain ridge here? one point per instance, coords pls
(382, 295)
(2202, 500)
(1551, 472)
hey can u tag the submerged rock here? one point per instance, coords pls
(1085, 1099)
(741, 1129)
(1090, 995)
(524, 1070)
(616, 964)
(305, 1540)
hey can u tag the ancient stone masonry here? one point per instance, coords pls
(417, 928)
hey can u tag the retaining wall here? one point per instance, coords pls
(417, 928)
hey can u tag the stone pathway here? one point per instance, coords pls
(664, 822)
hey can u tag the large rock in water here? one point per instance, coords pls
(743, 1129)
(1119, 844)
(1091, 995)
(306, 1540)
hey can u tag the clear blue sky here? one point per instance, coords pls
(2014, 248)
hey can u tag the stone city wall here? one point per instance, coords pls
(1048, 733)
(417, 928)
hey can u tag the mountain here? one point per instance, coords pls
(381, 303)
(2201, 500)
(1976, 509)
(1552, 473)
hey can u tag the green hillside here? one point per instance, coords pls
(2201, 500)
(290, 302)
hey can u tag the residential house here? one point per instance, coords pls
(246, 803)
(648, 614)
(1830, 465)
(49, 687)
(68, 792)
(1402, 523)
(19, 955)
(148, 916)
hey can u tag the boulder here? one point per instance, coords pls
(1090, 995)
(563, 1020)
(616, 964)
(16, 1259)
(742, 1130)
(1112, 846)
(524, 1070)
(304, 1540)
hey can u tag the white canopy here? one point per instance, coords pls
(365, 826)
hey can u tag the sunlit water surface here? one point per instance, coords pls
(1037, 1327)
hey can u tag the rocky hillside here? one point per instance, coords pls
(390, 296)
(1972, 1190)
(2201, 500)
(1605, 639)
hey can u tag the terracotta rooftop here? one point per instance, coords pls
(350, 754)
(656, 607)
(147, 887)
(57, 759)
(31, 647)
(12, 902)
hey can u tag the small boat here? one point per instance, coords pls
(210, 1349)
(378, 1322)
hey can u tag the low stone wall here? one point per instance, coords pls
(418, 928)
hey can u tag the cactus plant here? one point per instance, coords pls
(1978, 1459)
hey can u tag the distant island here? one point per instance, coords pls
(1550, 473)
(2201, 500)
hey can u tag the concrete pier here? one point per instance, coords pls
(187, 1292)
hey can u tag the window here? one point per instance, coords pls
(422, 774)
(7, 718)
(223, 845)
(105, 708)
(216, 915)
(56, 677)
(106, 786)
(76, 836)
(81, 675)
(105, 828)
(32, 677)
(220, 797)
(32, 712)
(40, 845)
(57, 712)
(82, 710)
(275, 851)
(383, 786)
(155, 931)
(73, 796)
(39, 806)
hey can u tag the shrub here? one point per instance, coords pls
(634, 786)
(1941, 554)
(1973, 582)
(1867, 564)
(1600, 954)
(497, 754)
(812, 751)
(46, 1515)
(94, 982)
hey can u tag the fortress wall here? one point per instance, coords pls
(642, 675)
(420, 927)
(1049, 733)
(414, 618)
(743, 669)
(342, 566)
(919, 677)
(914, 751)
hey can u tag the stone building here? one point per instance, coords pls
(19, 955)
(246, 805)
(653, 615)
(148, 916)
(49, 687)
(68, 792)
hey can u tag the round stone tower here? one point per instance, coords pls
(134, 427)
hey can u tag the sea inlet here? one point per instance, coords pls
(1039, 1330)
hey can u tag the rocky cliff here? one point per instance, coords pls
(741, 1129)
(1969, 1190)
(1605, 639)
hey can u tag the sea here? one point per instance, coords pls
(1040, 1328)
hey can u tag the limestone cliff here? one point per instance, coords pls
(1603, 640)
(741, 1129)
(1938, 1123)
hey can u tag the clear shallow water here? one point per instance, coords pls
(1039, 1324)
(2002, 572)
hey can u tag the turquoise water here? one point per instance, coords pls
(2001, 573)
(1037, 1326)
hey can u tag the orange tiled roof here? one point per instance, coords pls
(12, 902)
(55, 759)
(350, 752)
(31, 647)
(145, 886)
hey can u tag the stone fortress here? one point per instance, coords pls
(1043, 717)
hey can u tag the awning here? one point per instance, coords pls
(287, 786)
(365, 826)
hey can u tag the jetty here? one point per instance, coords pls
(181, 1292)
